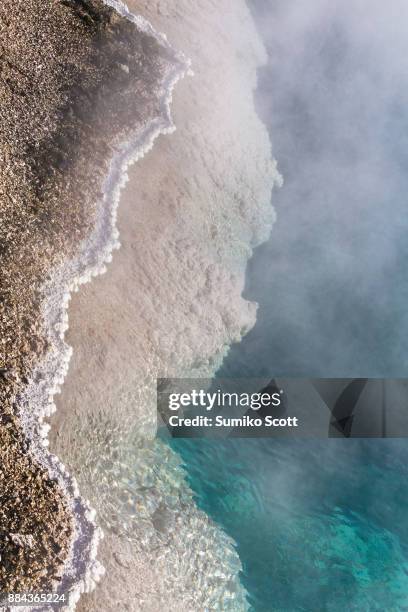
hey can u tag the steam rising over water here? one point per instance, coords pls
(332, 281)
(322, 525)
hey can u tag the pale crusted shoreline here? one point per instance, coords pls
(46, 162)
(170, 304)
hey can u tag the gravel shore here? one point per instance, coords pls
(75, 79)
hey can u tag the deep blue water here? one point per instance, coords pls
(321, 525)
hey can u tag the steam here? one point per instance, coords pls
(332, 281)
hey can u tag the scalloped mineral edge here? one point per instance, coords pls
(82, 570)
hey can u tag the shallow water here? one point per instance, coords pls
(322, 525)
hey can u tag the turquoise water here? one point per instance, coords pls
(317, 525)
(321, 525)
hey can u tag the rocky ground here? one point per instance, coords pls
(74, 78)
